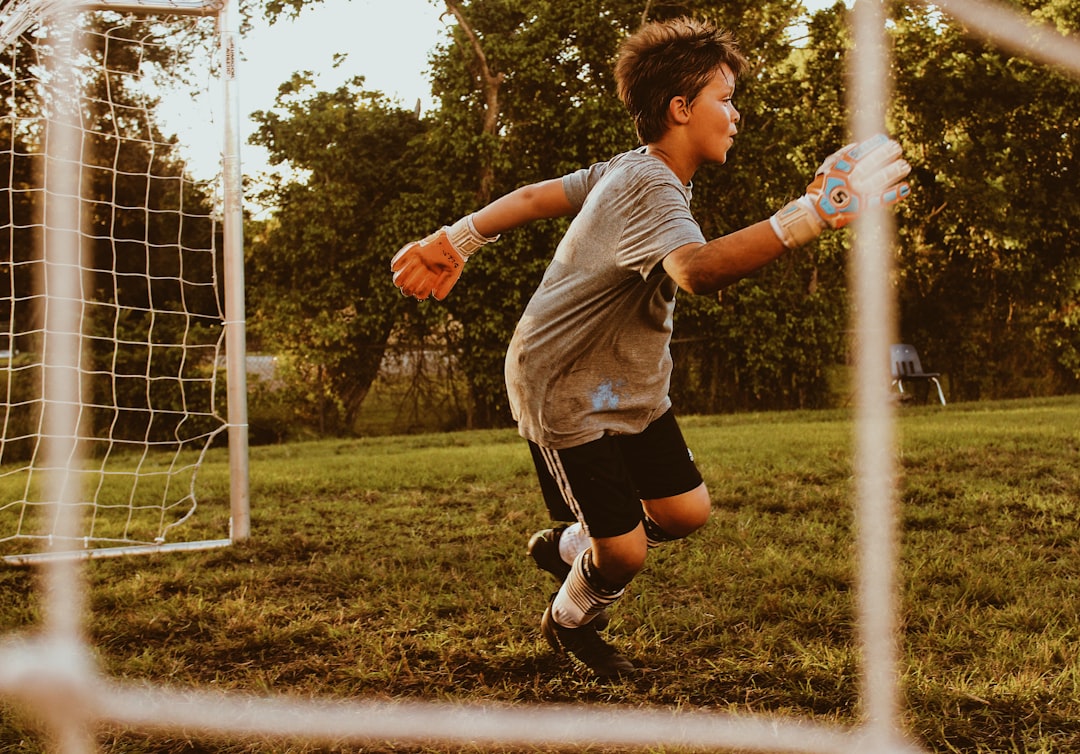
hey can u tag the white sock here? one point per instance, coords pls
(572, 543)
(578, 600)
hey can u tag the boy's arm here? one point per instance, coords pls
(537, 201)
(709, 267)
(432, 266)
(855, 177)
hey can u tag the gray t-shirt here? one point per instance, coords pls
(590, 355)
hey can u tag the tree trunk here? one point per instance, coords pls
(490, 82)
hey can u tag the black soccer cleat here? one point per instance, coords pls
(544, 550)
(585, 645)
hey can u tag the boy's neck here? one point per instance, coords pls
(683, 169)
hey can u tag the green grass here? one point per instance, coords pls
(394, 568)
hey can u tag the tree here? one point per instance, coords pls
(133, 188)
(772, 340)
(319, 283)
(989, 276)
(986, 272)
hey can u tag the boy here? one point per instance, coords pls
(588, 367)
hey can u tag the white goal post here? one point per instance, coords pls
(122, 288)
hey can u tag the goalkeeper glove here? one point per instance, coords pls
(850, 180)
(432, 266)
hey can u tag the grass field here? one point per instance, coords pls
(395, 568)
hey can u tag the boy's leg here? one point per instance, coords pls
(677, 516)
(601, 572)
(554, 550)
(593, 483)
(674, 500)
(627, 493)
(570, 621)
(590, 485)
(664, 519)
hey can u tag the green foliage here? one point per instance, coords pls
(770, 341)
(20, 381)
(148, 240)
(988, 280)
(319, 280)
(989, 277)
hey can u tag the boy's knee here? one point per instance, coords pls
(697, 515)
(679, 516)
(619, 559)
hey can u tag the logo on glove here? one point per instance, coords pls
(839, 197)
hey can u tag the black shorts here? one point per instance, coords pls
(602, 483)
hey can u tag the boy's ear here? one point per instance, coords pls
(679, 110)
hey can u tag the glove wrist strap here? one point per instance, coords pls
(797, 223)
(465, 238)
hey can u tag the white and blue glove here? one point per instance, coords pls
(854, 178)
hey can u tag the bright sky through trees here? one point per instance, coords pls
(385, 41)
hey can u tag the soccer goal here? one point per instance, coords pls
(121, 295)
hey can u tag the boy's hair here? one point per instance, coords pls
(667, 59)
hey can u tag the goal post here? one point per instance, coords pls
(107, 231)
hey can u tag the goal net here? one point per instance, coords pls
(150, 283)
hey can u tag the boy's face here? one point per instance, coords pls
(713, 117)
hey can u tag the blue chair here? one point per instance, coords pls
(906, 367)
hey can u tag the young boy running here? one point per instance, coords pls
(589, 365)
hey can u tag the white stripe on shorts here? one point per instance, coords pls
(555, 468)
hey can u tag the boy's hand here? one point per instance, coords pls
(857, 176)
(429, 267)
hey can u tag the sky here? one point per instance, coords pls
(386, 41)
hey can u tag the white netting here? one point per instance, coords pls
(55, 672)
(149, 294)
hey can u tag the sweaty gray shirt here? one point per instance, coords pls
(590, 355)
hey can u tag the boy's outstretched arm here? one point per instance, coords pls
(854, 178)
(709, 267)
(432, 266)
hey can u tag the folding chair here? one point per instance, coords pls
(906, 367)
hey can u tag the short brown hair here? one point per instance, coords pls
(666, 59)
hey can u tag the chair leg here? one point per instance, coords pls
(940, 392)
